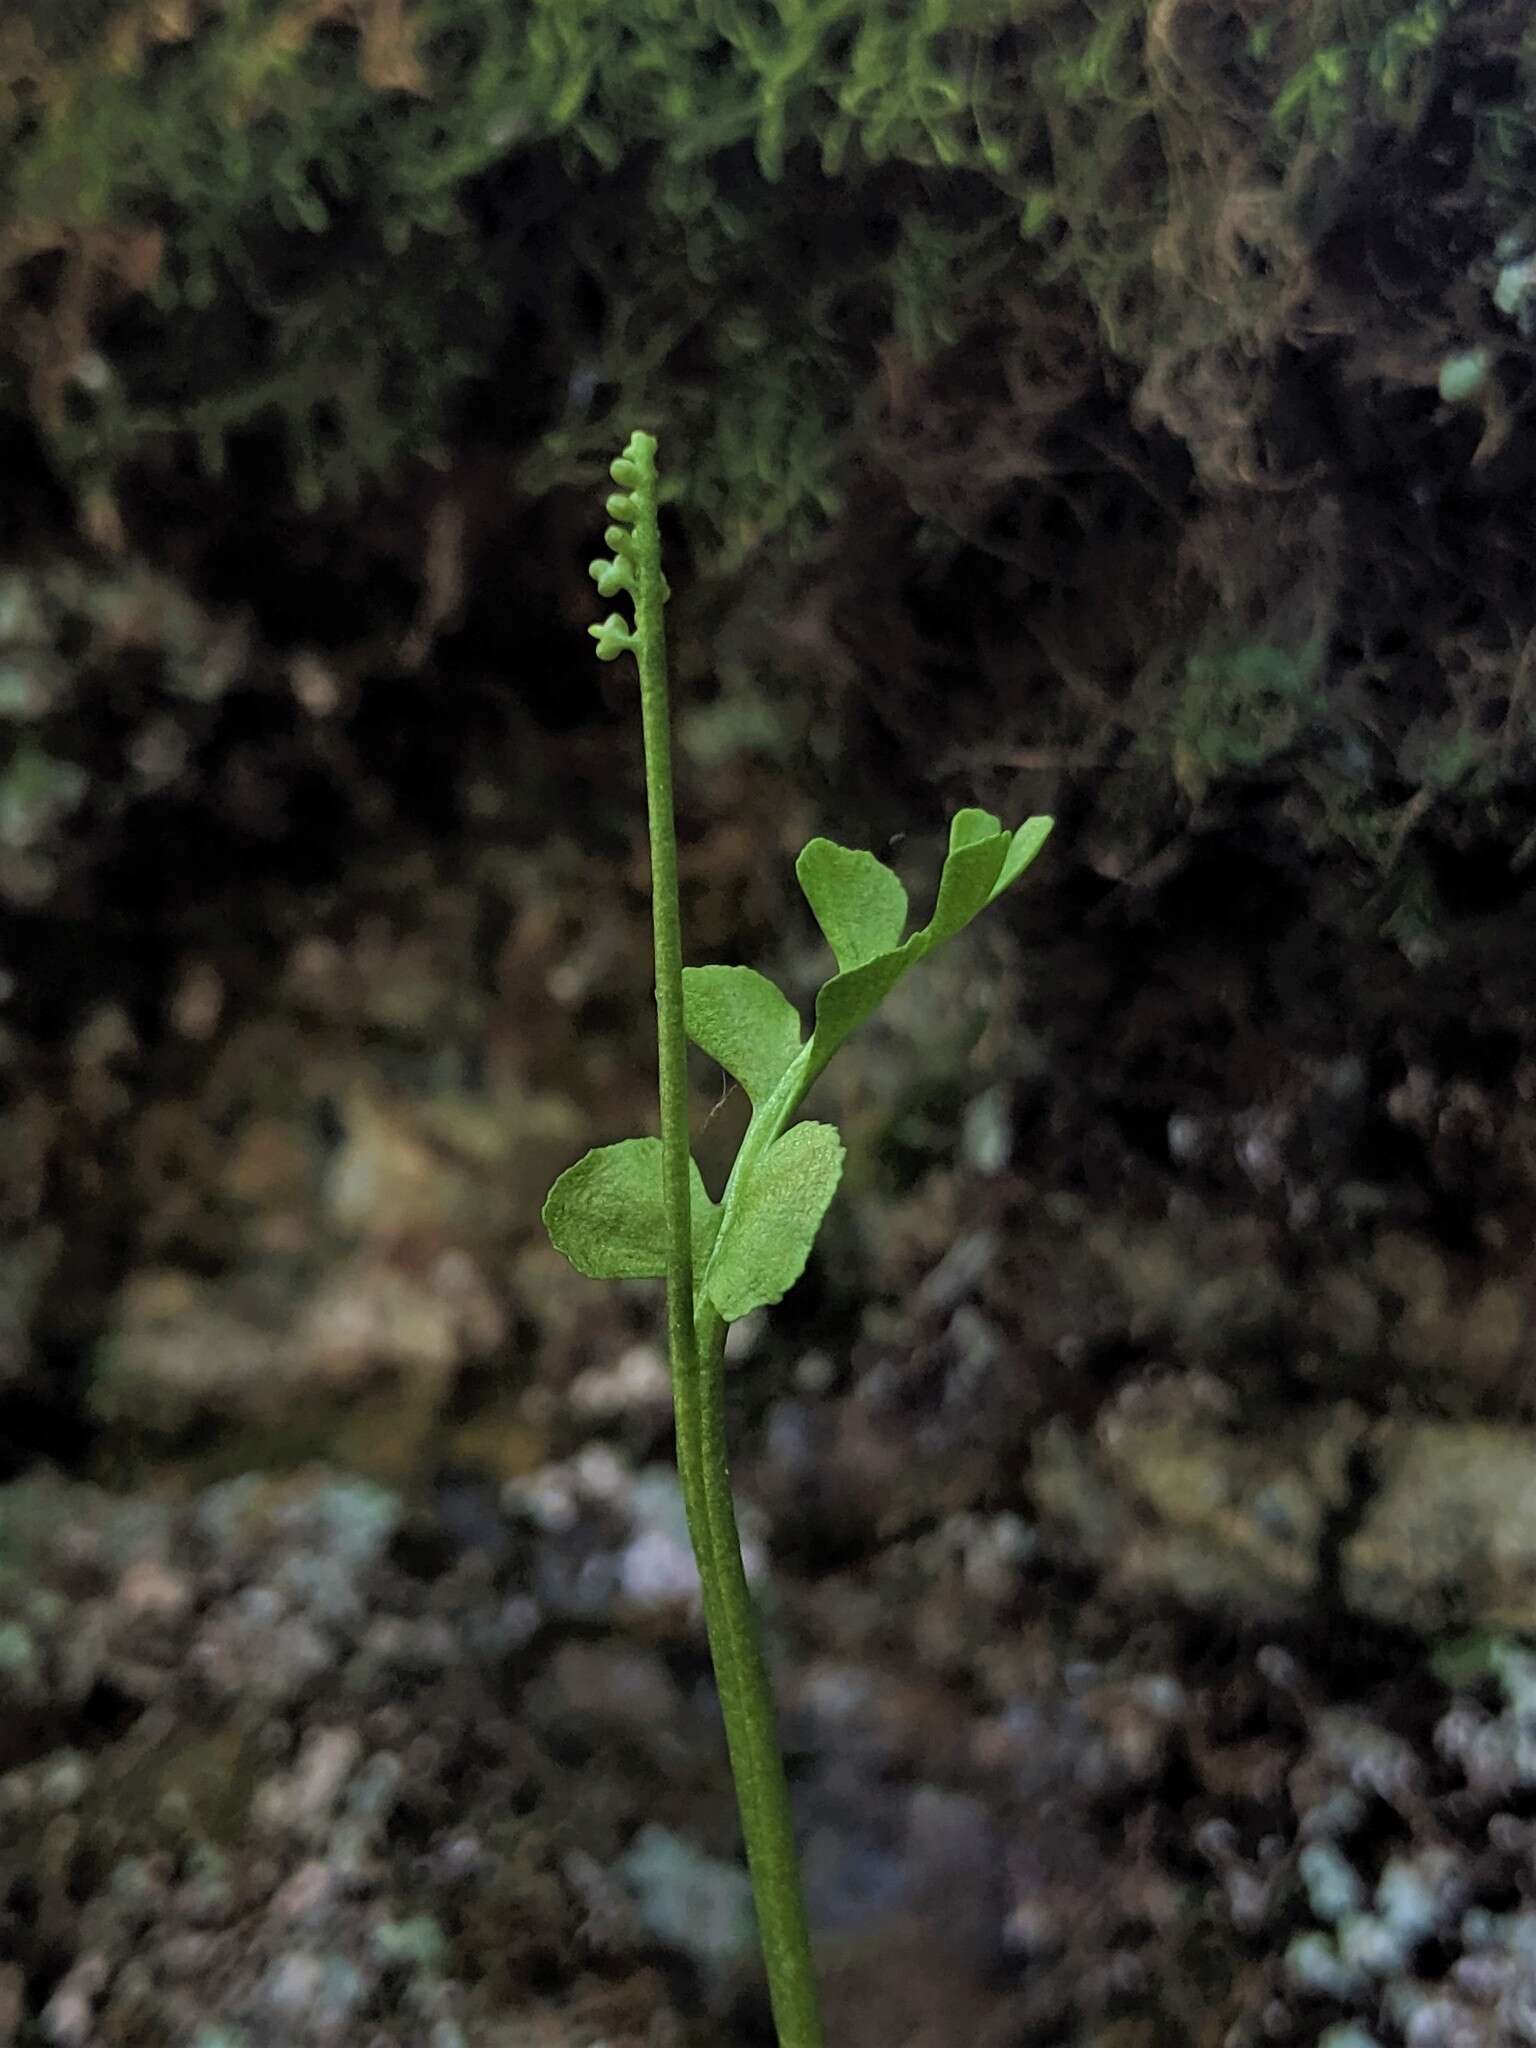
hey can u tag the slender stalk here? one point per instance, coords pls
(757, 1764)
(696, 1356)
(644, 553)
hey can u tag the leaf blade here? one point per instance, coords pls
(971, 869)
(843, 1003)
(763, 1248)
(745, 1024)
(858, 902)
(1022, 849)
(969, 826)
(607, 1213)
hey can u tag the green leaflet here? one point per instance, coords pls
(859, 904)
(979, 848)
(971, 868)
(1027, 842)
(763, 1248)
(847, 999)
(606, 1213)
(970, 825)
(744, 1023)
(981, 863)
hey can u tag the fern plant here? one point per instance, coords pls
(640, 1208)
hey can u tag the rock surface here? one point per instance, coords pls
(1424, 1525)
(1447, 1538)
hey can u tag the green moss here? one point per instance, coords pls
(1239, 712)
(1352, 61)
(365, 235)
(332, 232)
(335, 224)
(340, 226)
(252, 211)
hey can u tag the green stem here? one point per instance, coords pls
(696, 1356)
(757, 1765)
(671, 1045)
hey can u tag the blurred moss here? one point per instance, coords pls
(325, 218)
(1239, 712)
(343, 222)
(942, 263)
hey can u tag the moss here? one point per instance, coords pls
(1353, 60)
(1238, 713)
(344, 221)
(1241, 254)
(236, 257)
